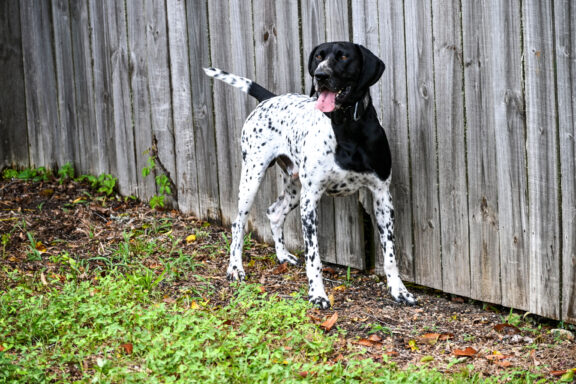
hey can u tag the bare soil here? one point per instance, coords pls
(443, 331)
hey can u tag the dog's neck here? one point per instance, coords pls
(353, 112)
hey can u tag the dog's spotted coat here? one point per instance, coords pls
(336, 151)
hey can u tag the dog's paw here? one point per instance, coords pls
(235, 274)
(401, 295)
(288, 258)
(320, 302)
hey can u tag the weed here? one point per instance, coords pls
(65, 172)
(105, 183)
(163, 183)
(34, 248)
(32, 174)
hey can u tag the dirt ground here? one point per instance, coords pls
(443, 331)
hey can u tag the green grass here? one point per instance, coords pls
(79, 330)
(141, 312)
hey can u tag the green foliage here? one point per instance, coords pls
(65, 172)
(105, 183)
(117, 328)
(31, 174)
(163, 184)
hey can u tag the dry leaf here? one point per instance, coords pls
(375, 337)
(43, 279)
(506, 328)
(340, 288)
(503, 363)
(446, 336)
(127, 348)
(329, 270)
(467, 352)
(430, 338)
(328, 324)
(412, 345)
(282, 268)
(40, 247)
(369, 343)
(2, 348)
(331, 299)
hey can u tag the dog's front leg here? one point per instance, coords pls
(384, 212)
(308, 207)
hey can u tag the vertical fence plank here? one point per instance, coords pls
(565, 24)
(204, 132)
(141, 123)
(509, 112)
(266, 59)
(13, 141)
(242, 54)
(347, 215)
(219, 32)
(481, 148)
(313, 33)
(122, 123)
(365, 32)
(86, 137)
(159, 85)
(186, 179)
(275, 47)
(102, 91)
(289, 79)
(394, 119)
(40, 80)
(66, 100)
(448, 80)
(543, 182)
(420, 87)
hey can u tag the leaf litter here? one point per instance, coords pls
(73, 227)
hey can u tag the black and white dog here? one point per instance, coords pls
(329, 143)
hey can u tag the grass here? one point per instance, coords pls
(119, 329)
(140, 311)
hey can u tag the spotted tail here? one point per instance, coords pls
(245, 85)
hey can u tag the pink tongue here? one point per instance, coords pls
(326, 101)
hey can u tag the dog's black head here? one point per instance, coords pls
(342, 73)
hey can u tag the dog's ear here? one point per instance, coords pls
(372, 68)
(312, 67)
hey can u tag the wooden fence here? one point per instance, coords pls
(478, 100)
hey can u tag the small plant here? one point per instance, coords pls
(31, 174)
(36, 248)
(105, 183)
(66, 172)
(163, 183)
(513, 318)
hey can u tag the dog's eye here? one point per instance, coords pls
(319, 57)
(343, 57)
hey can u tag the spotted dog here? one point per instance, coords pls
(330, 142)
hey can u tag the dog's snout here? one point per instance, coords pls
(321, 75)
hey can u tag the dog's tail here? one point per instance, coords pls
(244, 84)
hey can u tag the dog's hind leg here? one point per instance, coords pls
(384, 212)
(253, 172)
(277, 214)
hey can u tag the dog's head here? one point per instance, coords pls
(342, 73)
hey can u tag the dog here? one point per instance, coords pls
(329, 142)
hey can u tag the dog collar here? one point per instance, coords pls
(352, 112)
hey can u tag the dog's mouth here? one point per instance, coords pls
(329, 100)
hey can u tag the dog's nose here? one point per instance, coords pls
(321, 75)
